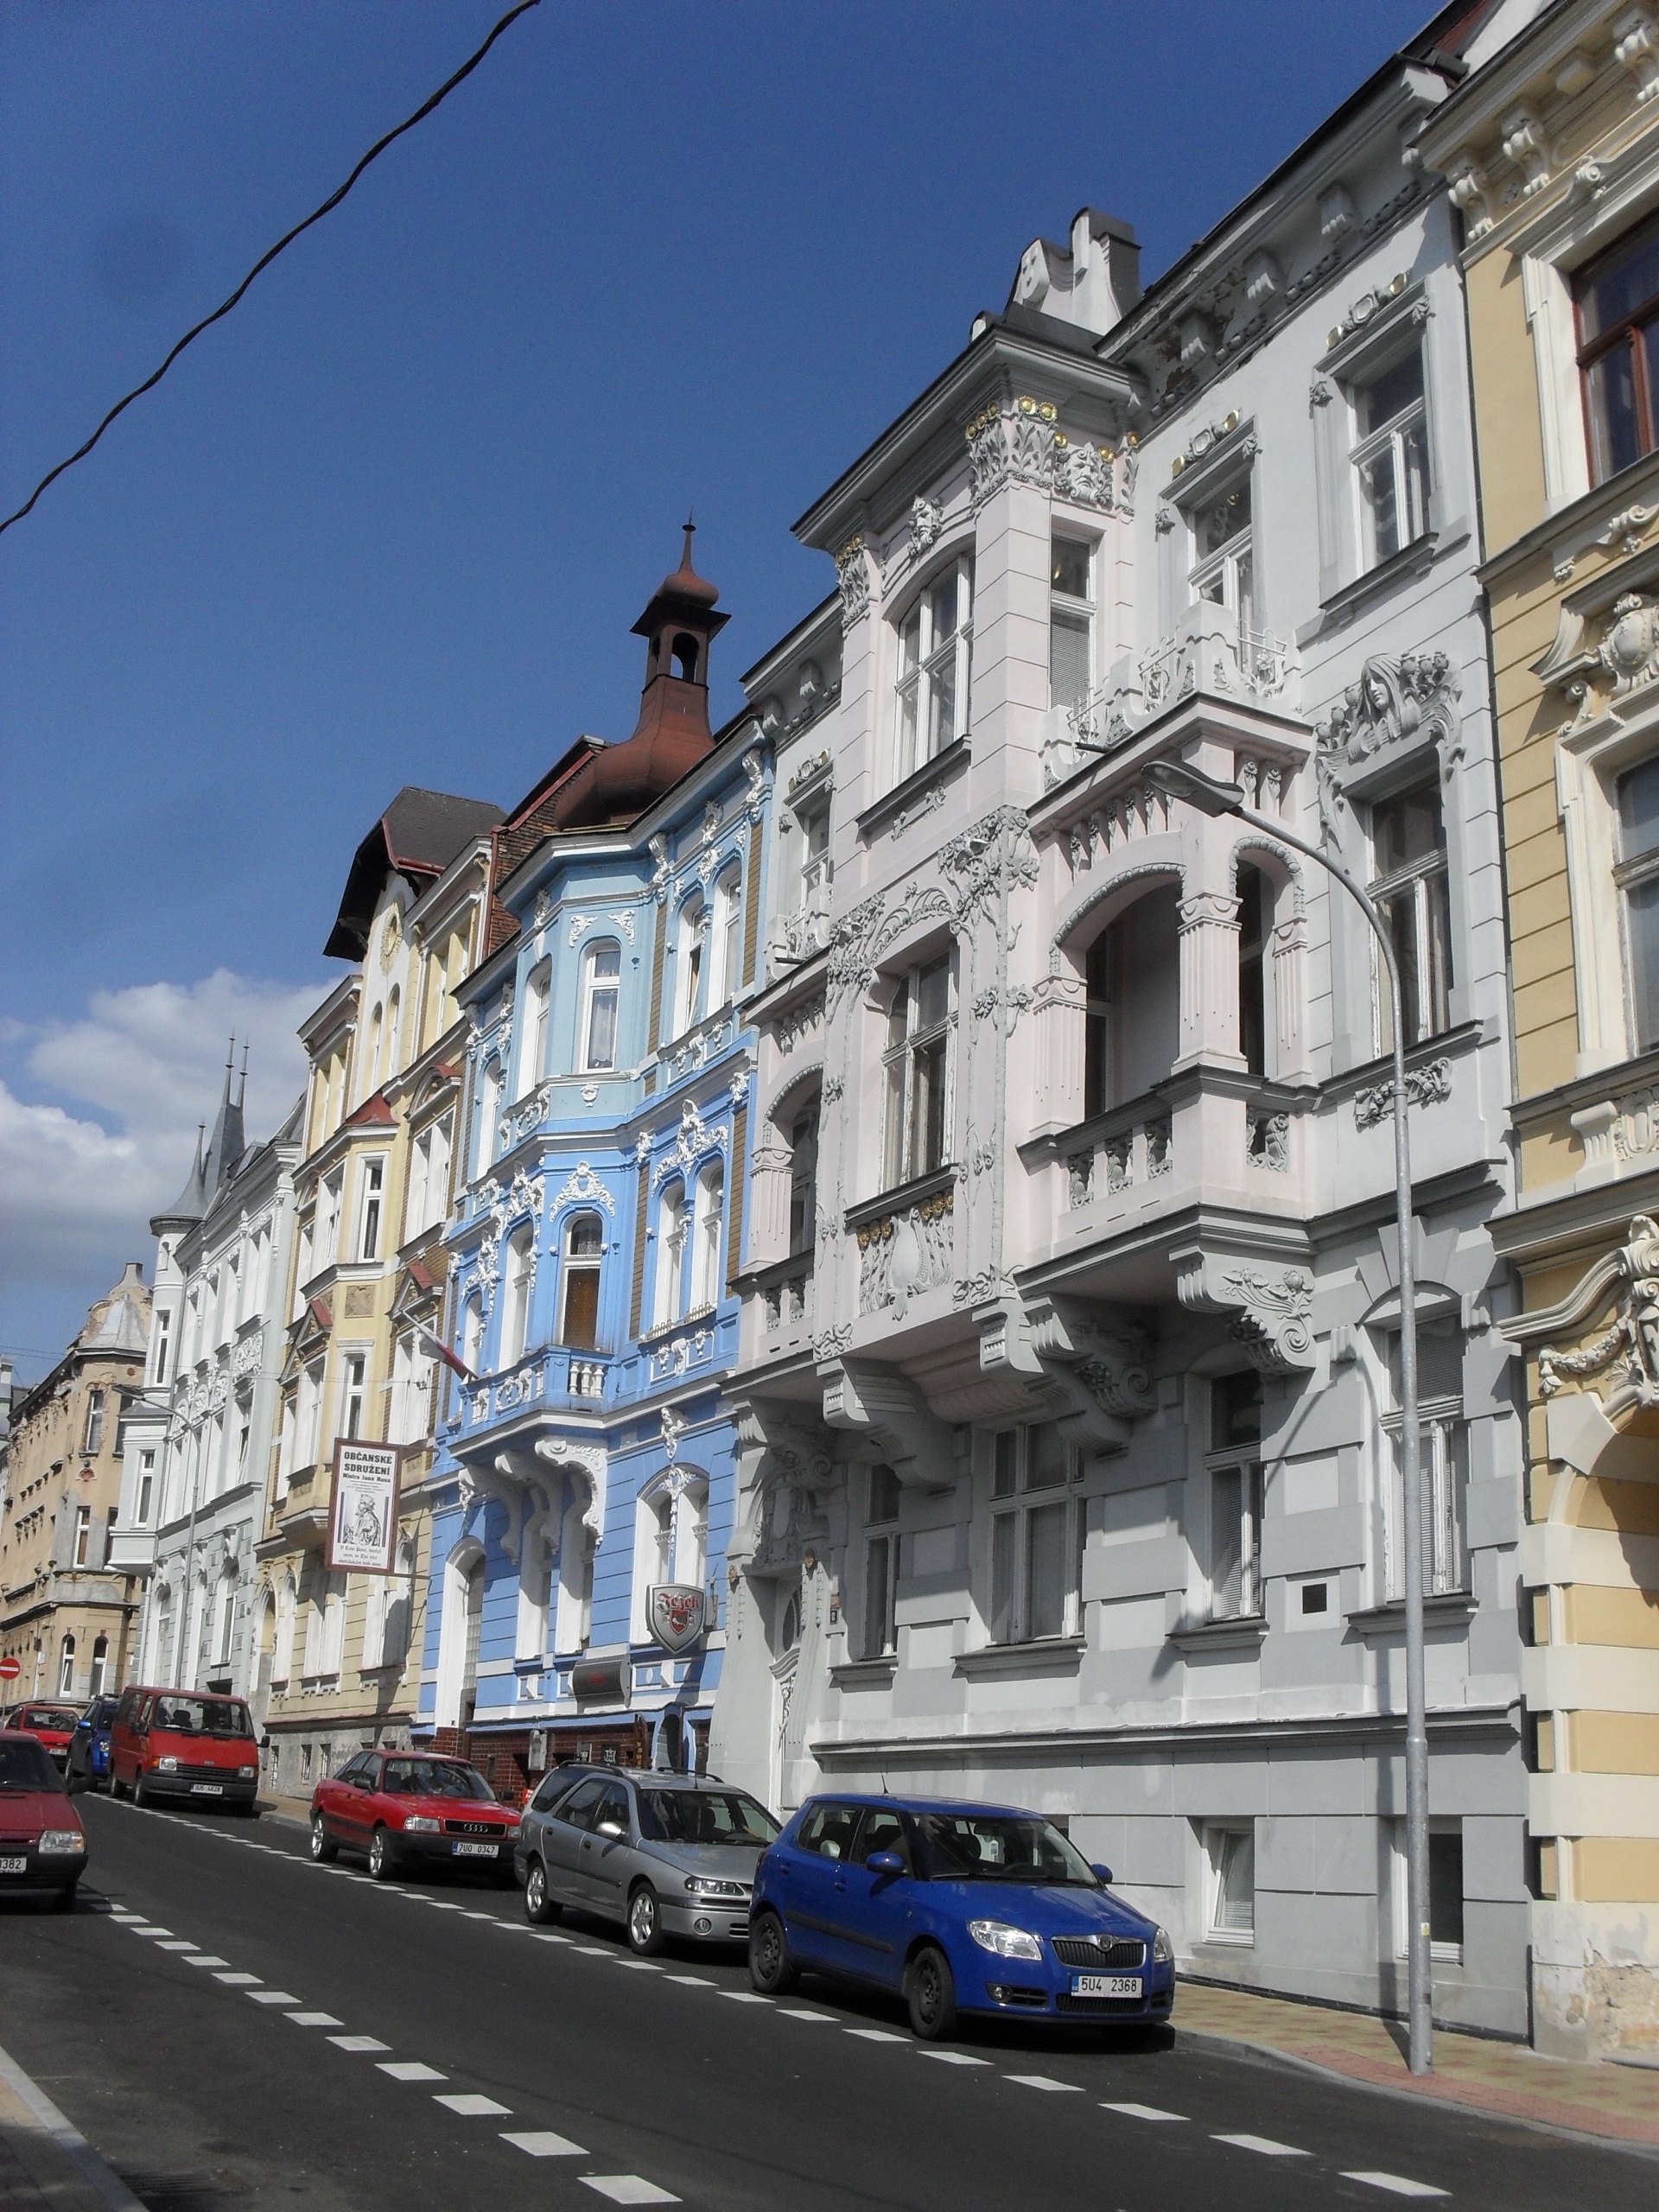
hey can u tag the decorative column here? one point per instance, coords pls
(1060, 1008)
(1209, 925)
(1289, 942)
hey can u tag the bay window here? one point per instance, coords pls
(600, 983)
(532, 1052)
(515, 1305)
(584, 1243)
(935, 667)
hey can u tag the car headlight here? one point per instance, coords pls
(63, 1840)
(996, 1935)
(705, 1885)
(167, 1766)
(247, 1773)
(1162, 1949)
(420, 1824)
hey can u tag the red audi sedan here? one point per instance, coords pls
(407, 1809)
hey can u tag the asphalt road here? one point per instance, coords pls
(232, 2027)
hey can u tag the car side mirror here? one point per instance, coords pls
(1103, 1874)
(885, 1862)
(615, 1829)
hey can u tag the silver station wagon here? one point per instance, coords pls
(666, 1854)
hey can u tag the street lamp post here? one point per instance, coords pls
(1212, 796)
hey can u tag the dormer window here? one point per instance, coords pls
(934, 665)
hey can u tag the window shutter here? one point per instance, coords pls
(752, 894)
(734, 1201)
(657, 944)
(640, 1247)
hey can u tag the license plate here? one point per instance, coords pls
(476, 1849)
(1105, 1985)
(207, 1789)
(14, 1865)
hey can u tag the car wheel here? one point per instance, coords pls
(644, 1921)
(117, 1788)
(769, 1968)
(382, 1864)
(140, 1796)
(324, 1849)
(539, 1905)
(65, 1900)
(930, 1994)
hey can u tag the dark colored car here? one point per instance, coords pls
(43, 1845)
(51, 1724)
(958, 1909)
(88, 1762)
(403, 1808)
(172, 1745)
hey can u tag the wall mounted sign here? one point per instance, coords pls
(363, 1508)
(675, 1612)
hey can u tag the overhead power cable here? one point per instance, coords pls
(266, 258)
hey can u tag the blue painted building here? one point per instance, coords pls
(585, 1463)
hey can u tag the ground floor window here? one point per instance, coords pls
(1445, 1891)
(1229, 1855)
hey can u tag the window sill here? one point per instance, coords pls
(1450, 1608)
(1051, 1655)
(865, 1674)
(1222, 1939)
(1244, 1633)
(904, 794)
(901, 1196)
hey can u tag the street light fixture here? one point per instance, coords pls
(1176, 780)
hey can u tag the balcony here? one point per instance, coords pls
(1210, 650)
(555, 1377)
(784, 1300)
(906, 1242)
(696, 1048)
(684, 1346)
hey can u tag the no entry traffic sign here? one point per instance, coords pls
(9, 1669)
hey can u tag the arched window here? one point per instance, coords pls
(684, 650)
(584, 1244)
(789, 1633)
(515, 1306)
(601, 979)
(101, 1666)
(394, 1024)
(472, 1336)
(653, 1554)
(706, 1237)
(670, 1253)
(1255, 920)
(370, 1068)
(67, 1666)
(1134, 1001)
(533, 1050)
(691, 1534)
(729, 936)
(489, 1113)
(693, 937)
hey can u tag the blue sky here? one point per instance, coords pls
(389, 523)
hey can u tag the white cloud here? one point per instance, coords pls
(79, 1180)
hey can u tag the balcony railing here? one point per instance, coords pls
(553, 1376)
(1196, 1137)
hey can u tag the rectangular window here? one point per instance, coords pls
(604, 973)
(352, 1369)
(93, 1440)
(881, 1563)
(370, 1204)
(1070, 622)
(1036, 1544)
(308, 1415)
(1223, 553)
(1443, 1461)
(1445, 1891)
(1637, 874)
(1231, 1855)
(162, 1345)
(328, 1197)
(1390, 459)
(584, 1248)
(813, 821)
(532, 1058)
(803, 1180)
(935, 666)
(83, 1534)
(1617, 300)
(917, 1063)
(1408, 888)
(1234, 1471)
(146, 1488)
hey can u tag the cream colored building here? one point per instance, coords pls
(339, 1655)
(1552, 152)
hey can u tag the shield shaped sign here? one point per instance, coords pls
(674, 1611)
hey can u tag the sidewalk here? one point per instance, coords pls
(1620, 2104)
(47, 2165)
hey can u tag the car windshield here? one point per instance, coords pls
(998, 1847)
(704, 1816)
(24, 1765)
(202, 1716)
(434, 1778)
(46, 1716)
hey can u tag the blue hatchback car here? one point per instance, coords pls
(957, 1908)
(88, 1762)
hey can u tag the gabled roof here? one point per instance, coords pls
(418, 837)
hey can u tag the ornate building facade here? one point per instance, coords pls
(337, 1654)
(583, 1494)
(1067, 1388)
(1553, 156)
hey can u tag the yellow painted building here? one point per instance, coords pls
(339, 1656)
(1552, 153)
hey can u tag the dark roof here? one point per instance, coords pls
(418, 837)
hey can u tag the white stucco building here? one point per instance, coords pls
(1067, 1388)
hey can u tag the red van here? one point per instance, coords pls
(183, 1747)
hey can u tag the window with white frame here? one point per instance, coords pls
(881, 1562)
(370, 1204)
(653, 1553)
(691, 946)
(1446, 1898)
(573, 1615)
(91, 1442)
(917, 1065)
(412, 1390)
(101, 1666)
(1616, 297)
(489, 1114)
(729, 936)
(306, 1264)
(333, 1640)
(812, 824)
(394, 1029)
(258, 1283)
(1234, 1468)
(533, 1050)
(601, 982)
(308, 1406)
(1409, 889)
(670, 1253)
(1229, 1883)
(1390, 457)
(1223, 551)
(328, 1198)
(281, 1660)
(584, 1249)
(83, 1538)
(707, 1227)
(935, 668)
(1637, 874)
(515, 1303)
(67, 1667)
(161, 1344)
(353, 1394)
(1037, 1534)
(145, 1500)
(472, 1336)
(1071, 621)
(244, 1437)
(1442, 1458)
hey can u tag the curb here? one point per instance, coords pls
(69, 2139)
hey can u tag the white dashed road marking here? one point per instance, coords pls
(177, 1944)
(150, 1928)
(639, 1966)
(745, 1997)
(1143, 2112)
(542, 1935)
(239, 1980)
(627, 2189)
(359, 2042)
(1397, 2184)
(953, 2059)
(411, 2069)
(206, 1959)
(542, 2144)
(470, 2106)
(799, 2012)
(694, 1981)
(313, 2020)
(1041, 2081)
(273, 1997)
(1264, 2143)
(595, 1950)
(877, 2035)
